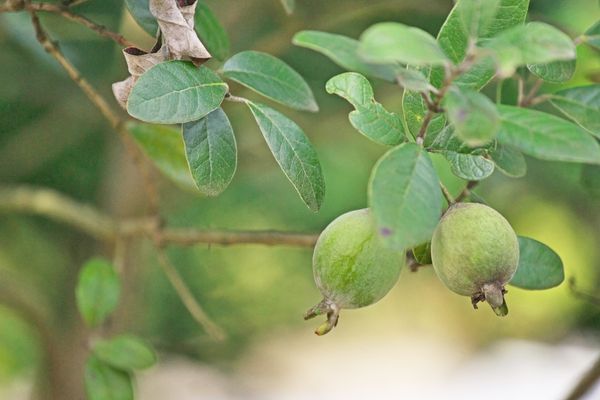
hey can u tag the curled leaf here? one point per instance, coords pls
(176, 22)
(138, 61)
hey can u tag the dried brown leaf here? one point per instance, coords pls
(176, 21)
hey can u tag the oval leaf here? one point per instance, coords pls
(474, 116)
(539, 266)
(391, 42)
(582, 105)
(454, 35)
(103, 382)
(533, 43)
(272, 78)
(125, 352)
(343, 51)
(412, 79)
(546, 136)
(509, 160)
(554, 72)
(293, 152)
(211, 32)
(175, 92)
(469, 166)
(97, 292)
(405, 196)
(211, 152)
(164, 146)
(369, 117)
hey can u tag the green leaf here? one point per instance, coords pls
(288, 5)
(539, 266)
(533, 43)
(546, 136)
(369, 117)
(405, 196)
(272, 78)
(211, 32)
(469, 166)
(422, 253)
(140, 11)
(554, 72)
(175, 92)
(414, 110)
(476, 16)
(474, 116)
(164, 146)
(97, 292)
(293, 152)
(411, 79)
(592, 36)
(446, 140)
(103, 382)
(125, 352)
(582, 105)
(509, 160)
(211, 152)
(343, 51)
(590, 179)
(454, 37)
(391, 43)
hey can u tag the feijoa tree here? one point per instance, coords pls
(174, 93)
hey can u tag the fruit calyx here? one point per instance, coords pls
(493, 294)
(328, 307)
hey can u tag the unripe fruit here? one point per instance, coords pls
(352, 268)
(475, 252)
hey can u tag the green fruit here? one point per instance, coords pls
(475, 252)
(352, 268)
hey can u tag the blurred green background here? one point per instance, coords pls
(51, 136)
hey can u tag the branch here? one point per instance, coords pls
(54, 205)
(467, 190)
(188, 299)
(447, 194)
(15, 6)
(594, 300)
(101, 104)
(586, 382)
(451, 74)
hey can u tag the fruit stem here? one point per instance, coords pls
(328, 307)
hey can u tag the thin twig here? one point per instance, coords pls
(102, 105)
(526, 101)
(586, 382)
(520, 90)
(52, 204)
(467, 190)
(187, 297)
(447, 194)
(235, 99)
(451, 74)
(595, 300)
(68, 14)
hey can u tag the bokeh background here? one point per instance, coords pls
(420, 342)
